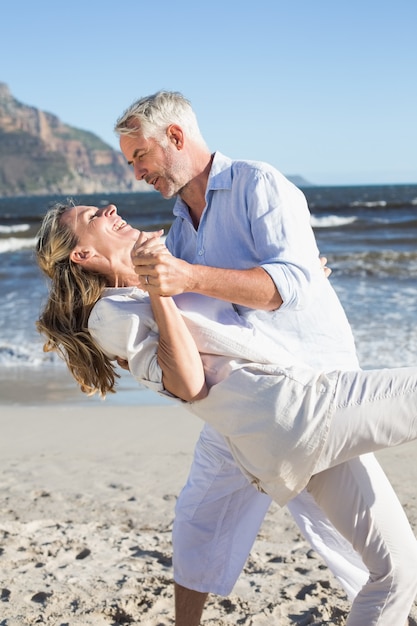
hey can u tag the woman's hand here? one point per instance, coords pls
(123, 363)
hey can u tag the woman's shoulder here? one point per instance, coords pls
(120, 318)
(119, 302)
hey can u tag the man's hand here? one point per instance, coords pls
(327, 271)
(158, 270)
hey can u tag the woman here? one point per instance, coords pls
(309, 428)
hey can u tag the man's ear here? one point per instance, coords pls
(81, 255)
(176, 136)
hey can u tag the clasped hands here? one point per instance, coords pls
(158, 271)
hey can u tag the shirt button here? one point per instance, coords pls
(201, 252)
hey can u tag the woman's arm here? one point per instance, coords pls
(178, 357)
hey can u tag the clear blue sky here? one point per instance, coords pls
(322, 88)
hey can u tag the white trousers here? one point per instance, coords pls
(373, 410)
(218, 516)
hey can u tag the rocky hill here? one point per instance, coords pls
(39, 155)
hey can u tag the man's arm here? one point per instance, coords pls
(161, 273)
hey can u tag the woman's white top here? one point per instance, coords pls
(273, 412)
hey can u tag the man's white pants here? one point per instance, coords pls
(218, 516)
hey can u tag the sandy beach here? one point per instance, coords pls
(87, 501)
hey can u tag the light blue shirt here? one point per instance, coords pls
(254, 216)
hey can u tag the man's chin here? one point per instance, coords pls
(169, 193)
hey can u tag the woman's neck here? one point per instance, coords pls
(119, 271)
(126, 278)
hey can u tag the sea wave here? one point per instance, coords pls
(382, 264)
(30, 356)
(331, 221)
(13, 243)
(16, 228)
(369, 204)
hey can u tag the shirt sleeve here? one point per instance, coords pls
(283, 236)
(125, 328)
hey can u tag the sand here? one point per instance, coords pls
(87, 499)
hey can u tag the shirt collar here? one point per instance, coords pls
(220, 177)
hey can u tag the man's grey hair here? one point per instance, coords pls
(153, 114)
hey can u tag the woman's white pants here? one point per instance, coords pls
(374, 410)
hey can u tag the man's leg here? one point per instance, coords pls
(189, 606)
(218, 516)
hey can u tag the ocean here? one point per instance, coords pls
(368, 234)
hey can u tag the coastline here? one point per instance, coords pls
(45, 386)
(88, 491)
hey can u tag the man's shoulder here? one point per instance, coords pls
(226, 172)
(257, 170)
(244, 165)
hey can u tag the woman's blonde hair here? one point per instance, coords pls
(73, 291)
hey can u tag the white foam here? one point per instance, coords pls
(13, 243)
(31, 355)
(17, 228)
(329, 221)
(370, 204)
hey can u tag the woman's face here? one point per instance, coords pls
(105, 240)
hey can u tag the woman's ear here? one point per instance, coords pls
(81, 255)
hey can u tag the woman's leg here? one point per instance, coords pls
(337, 552)
(373, 410)
(362, 505)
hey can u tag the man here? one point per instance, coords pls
(241, 234)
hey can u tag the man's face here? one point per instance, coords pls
(160, 166)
